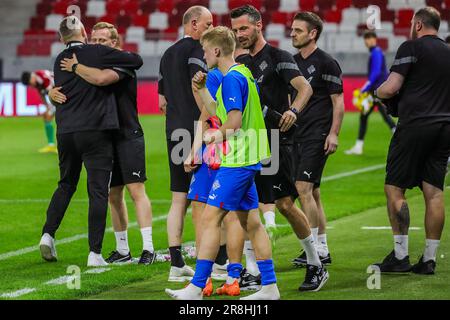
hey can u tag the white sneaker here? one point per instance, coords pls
(96, 260)
(269, 292)
(219, 272)
(181, 274)
(356, 150)
(191, 292)
(47, 248)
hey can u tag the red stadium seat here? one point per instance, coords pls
(271, 5)
(445, 14)
(24, 50)
(404, 17)
(113, 6)
(238, 3)
(362, 3)
(140, 19)
(148, 6)
(438, 4)
(176, 19)
(170, 33)
(130, 6)
(387, 15)
(132, 47)
(43, 9)
(324, 5)
(37, 23)
(111, 18)
(342, 4)
(282, 18)
(383, 43)
(89, 23)
(123, 19)
(166, 6)
(274, 43)
(307, 5)
(225, 20)
(152, 34)
(60, 7)
(333, 16)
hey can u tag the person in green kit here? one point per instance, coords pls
(43, 81)
(238, 107)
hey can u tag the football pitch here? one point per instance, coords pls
(352, 194)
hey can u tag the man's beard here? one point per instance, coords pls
(413, 34)
(251, 41)
(302, 45)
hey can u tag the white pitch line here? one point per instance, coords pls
(354, 172)
(13, 201)
(19, 252)
(77, 237)
(388, 228)
(17, 293)
(61, 280)
(97, 270)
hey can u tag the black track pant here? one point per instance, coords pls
(95, 150)
(364, 118)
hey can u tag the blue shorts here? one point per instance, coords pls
(234, 189)
(201, 183)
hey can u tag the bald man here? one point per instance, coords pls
(178, 66)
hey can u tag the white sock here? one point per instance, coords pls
(312, 256)
(322, 243)
(147, 239)
(315, 234)
(122, 242)
(430, 250)
(230, 280)
(269, 218)
(250, 259)
(359, 144)
(401, 246)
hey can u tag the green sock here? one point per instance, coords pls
(50, 132)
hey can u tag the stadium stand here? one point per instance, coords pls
(150, 26)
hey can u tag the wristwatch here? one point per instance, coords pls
(74, 67)
(295, 111)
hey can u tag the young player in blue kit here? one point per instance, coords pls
(239, 109)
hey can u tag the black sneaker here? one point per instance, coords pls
(301, 260)
(315, 278)
(249, 282)
(392, 264)
(147, 257)
(116, 257)
(422, 267)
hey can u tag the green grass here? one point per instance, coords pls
(28, 179)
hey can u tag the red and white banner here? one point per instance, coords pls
(16, 100)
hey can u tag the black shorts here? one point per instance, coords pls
(280, 185)
(310, 160)
(179, 179)
(129, 161)
(418, 154)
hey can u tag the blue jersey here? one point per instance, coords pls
(234, 91)
(203, 177)
(213, 81)
(378, 72)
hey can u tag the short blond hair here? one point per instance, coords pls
(106, 25)
(221, 37)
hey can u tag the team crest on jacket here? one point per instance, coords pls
(263, 65)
